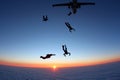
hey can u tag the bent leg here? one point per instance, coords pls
(64, 54)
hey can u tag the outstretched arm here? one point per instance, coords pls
(63, 47)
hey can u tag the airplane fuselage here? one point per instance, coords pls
(74, 6)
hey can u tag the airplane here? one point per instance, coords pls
(74, 5)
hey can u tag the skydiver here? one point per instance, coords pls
(47, 56)
(69, 13)
(69, 26)
(65, 50)
(45, 18)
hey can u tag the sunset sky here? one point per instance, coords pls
(24, 37)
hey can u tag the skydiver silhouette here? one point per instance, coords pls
(45, 18)
(47, 56)
(69, 13)
(69, 26)
(65, 50)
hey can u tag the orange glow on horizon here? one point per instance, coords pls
(48, 65)
(20, 64)
(54, 67)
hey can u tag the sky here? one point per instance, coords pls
(24, 37)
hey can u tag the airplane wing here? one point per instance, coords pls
(84, 3)
(64, 4)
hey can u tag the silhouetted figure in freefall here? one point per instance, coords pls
(69, 26)
(45, 18)
(69, 13)
(47, 56)
(65, 50)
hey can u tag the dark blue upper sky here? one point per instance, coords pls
(24, 36)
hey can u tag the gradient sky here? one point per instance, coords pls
(24, 37)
